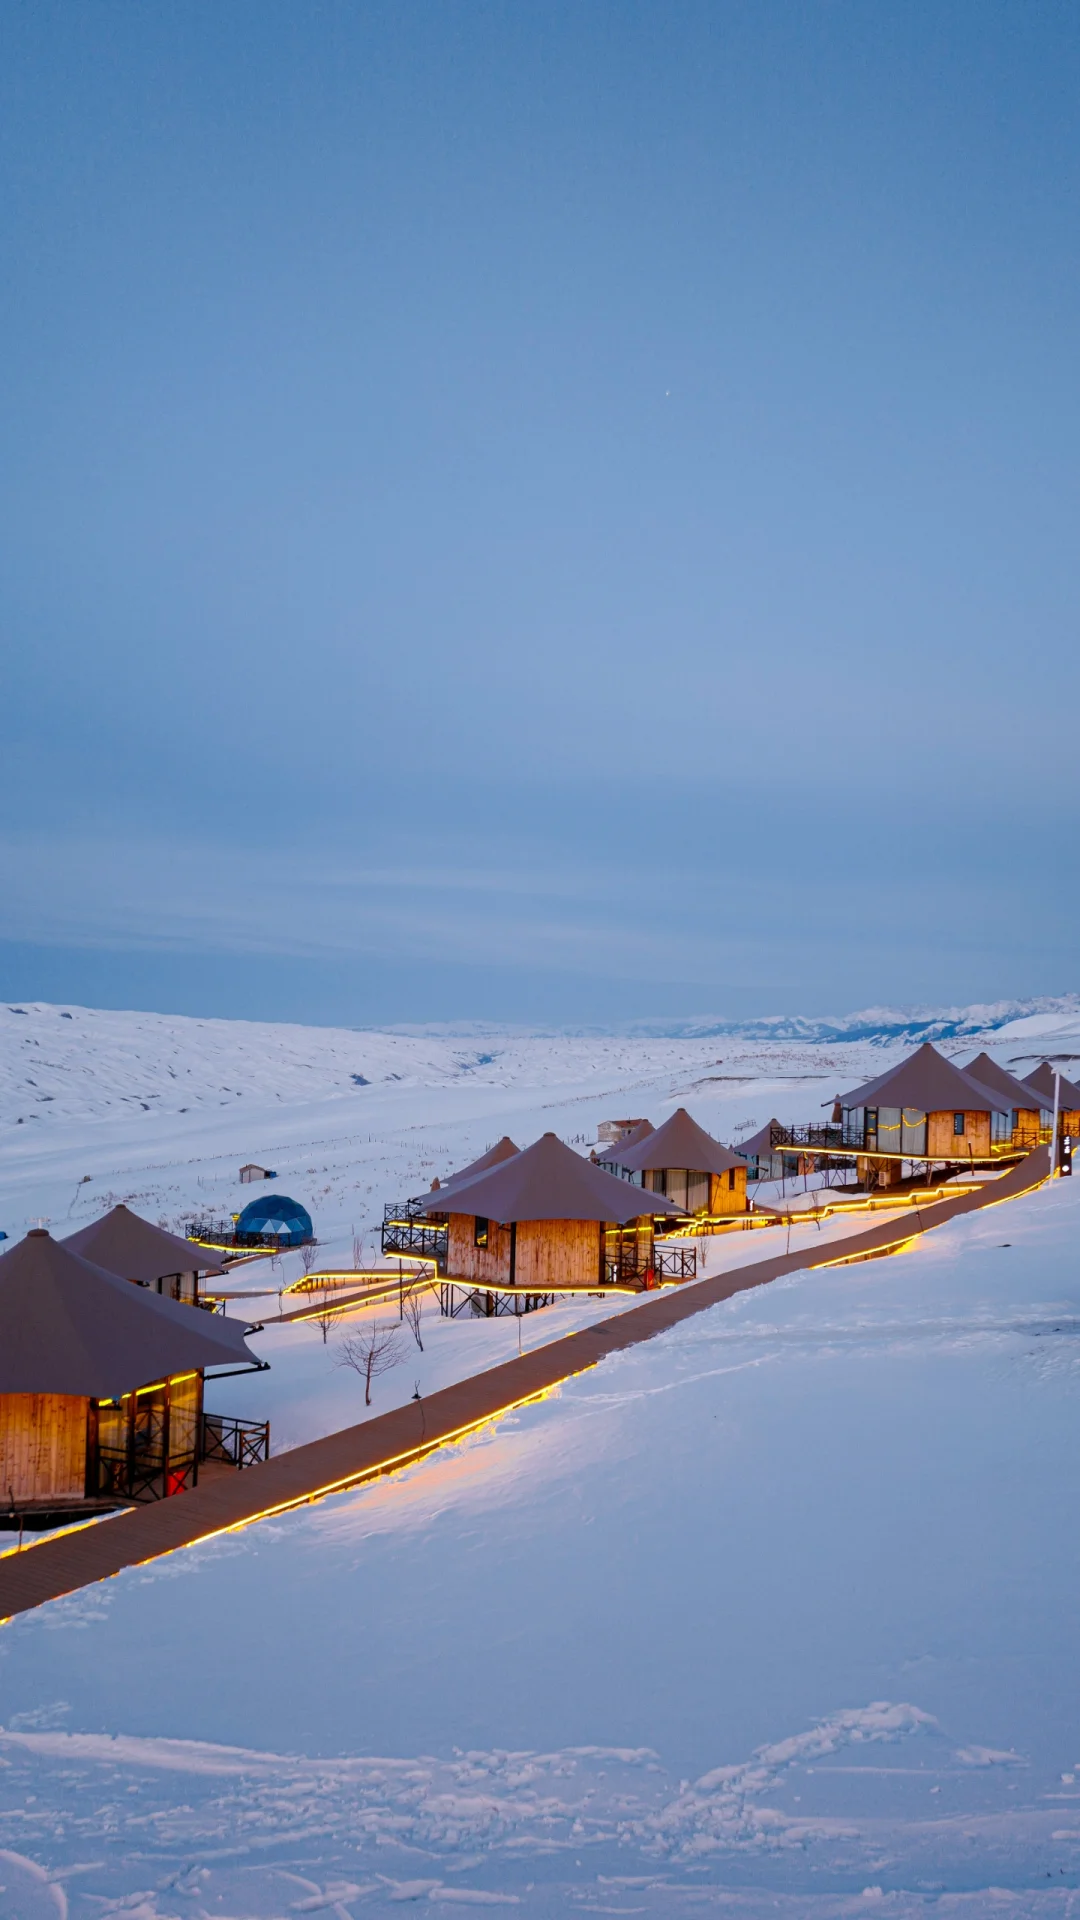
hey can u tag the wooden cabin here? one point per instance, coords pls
(688, 1167)
(1024, 1124)
(548, 1219)
(1041, 1083)
(101, 1385)
(129, 1246)
(926, 1110)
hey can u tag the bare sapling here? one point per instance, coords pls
(412, 1306)
(370, 1354)
(325, 1316)
(307, 1255)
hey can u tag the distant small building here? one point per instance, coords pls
(101, 1385)
(126, 1245)
(252, 1172)
(611, 1130)
(547, 1219)
(612, 1156)
(274, 1217)
(685, 1164)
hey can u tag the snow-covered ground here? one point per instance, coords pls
(773, 1614)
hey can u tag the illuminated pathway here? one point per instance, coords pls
(96, 1552)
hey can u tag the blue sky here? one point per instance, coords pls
(538, 511)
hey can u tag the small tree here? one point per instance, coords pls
(370, 1353)
(325, 1317)
(412, 1306)
(307, 1255)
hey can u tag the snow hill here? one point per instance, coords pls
(78, 1062)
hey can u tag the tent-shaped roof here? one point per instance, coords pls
(680, 1142)
(759, 1142)
(549, 1181)
(989, 1074)
(122, 1243)
(69, 1327)
(611, 1155)
(927, 1083)
(503, 1149)
(1042, 1081)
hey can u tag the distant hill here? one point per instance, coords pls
(884, 1026)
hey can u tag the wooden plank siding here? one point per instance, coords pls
(546, 1253)
(485, 1266)
(728, 1192)
(558, 1253)
(942, 1143)
(43, 1446)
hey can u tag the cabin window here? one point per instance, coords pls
(731, 1179)
(958, 1124)
(871, 1123)
(480, 1232)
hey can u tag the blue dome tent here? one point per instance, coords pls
(275, 1217)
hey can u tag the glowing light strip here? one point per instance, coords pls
(869, 1253)
(43, 1538)
(308, 1281)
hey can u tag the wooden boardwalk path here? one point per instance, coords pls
(61, 1565)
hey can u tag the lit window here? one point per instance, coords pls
(480, 1232)
(958, 1124)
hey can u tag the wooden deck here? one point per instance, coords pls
(62, 1565)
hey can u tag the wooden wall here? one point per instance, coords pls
(943, 1144)
(487, 1266)
(548, 1253)
(42, 1446)
(723, 1197)
(558, 1253)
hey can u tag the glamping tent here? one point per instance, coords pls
(924, 1109)
(100, 1383)
(1025, 1123)
(547, 1219)
(409, 1226)
(1042, 1083)
(503, 1149)
(124, 1244)
(766, 1156)
(685, 1164)
(274, 1217)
